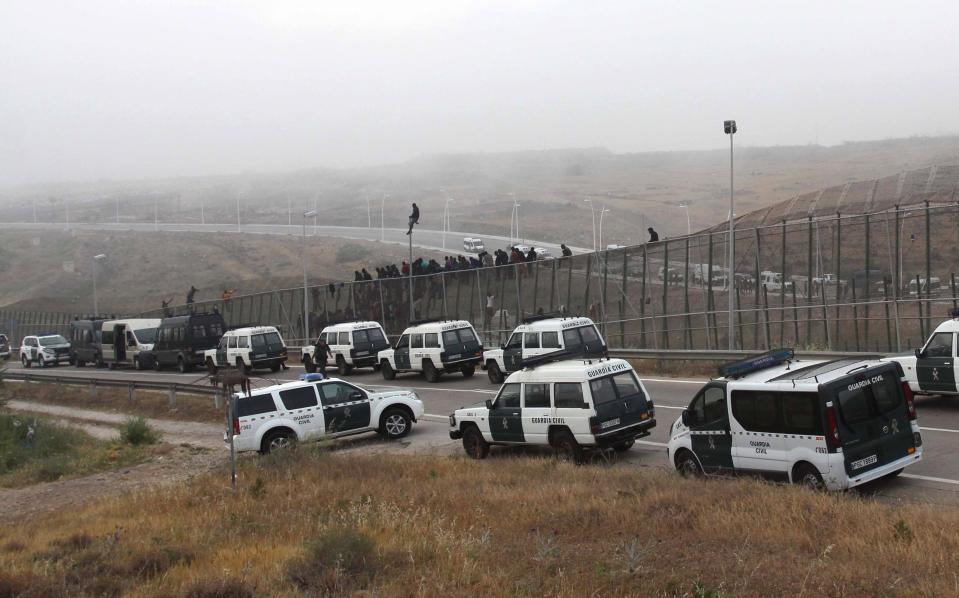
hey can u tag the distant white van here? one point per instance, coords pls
(473, 245)
(122, 341)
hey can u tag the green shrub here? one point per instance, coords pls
(136, 432)
(339, 561)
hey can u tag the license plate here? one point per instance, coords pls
(610, 423)
(362, 353)
(457, 356)
(864, 462)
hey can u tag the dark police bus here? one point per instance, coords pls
(182, 340)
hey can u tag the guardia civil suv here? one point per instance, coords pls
(315, 407)
(434, 347)
(573, 406)
(44, 350)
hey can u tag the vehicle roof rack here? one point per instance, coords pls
(429, 321)
(238, 326)
(344, 321)
(545, 316)
(560, 355)
(740, 368)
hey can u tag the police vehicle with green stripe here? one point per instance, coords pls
(931, 369)
(316, 407)
(575, 406)
(822, 424)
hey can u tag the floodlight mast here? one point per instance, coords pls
(729, 127)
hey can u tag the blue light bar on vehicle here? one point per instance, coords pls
(754, 364)
(314, 377)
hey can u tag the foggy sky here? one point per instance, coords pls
(125, 89)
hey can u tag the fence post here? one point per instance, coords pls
(766, 314)
(897, 278)
(131, 392)
(172, 396)
(688, 336)
(839, 287)
(709, 292)
(855, 313)
(867, 292)
(622, 304)
(93, 388)
(885, 295)
(666, 282)
(928, 269)
(642, 303)
(756, 294)
(809, 259)
(922, 322)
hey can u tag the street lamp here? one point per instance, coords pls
(96, 258)
(306, 294)
(369, 213)
(446, 219)
(593, 212)
(685, 206)
(602, 213)
(729, 127)
(514, 216)
(382, 220)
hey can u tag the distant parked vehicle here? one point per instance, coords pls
(352, 345)
(122, 341)
(473, 245)
(44, 350)
(85, 342)
(4, 347)
(932, 287)
(247, 348)
(183, 340)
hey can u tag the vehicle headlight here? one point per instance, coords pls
(47, 351)
(452, 420)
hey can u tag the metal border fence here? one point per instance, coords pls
(876, 282)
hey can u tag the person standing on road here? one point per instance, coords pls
(414, 218)
(321, 352)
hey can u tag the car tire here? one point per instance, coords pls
(25, 362)
(687, 465)
(622, 447)
(566, 448)
(474, 444)
(277, 440)
(156, 364)
(430, 372)
(181, 365)
(242, 367)
(341, 366)
(210, 366)
(495, 374)
(469, 371)
(387, 370)
(809, 478)
(308, 364)
(79, 363)
(98, 360)
(275, 367)
(395, 423)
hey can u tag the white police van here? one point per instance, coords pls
(44, 350)
(247, 348)
(539, 335)
(931, 369)
(122, 341)
(316, 407)
(434, 347)
(822, 424)
(352, 344)
(571, 405)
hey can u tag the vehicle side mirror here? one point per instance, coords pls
(919, 354)
(503, 346)
(489, 404)
(687, 417)
(356, 395)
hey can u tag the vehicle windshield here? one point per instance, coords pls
(46, 341)
(146, 335)
(868, 398)
(460, 335)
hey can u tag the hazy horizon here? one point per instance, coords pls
(111, 90)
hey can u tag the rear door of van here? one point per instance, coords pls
(872, 416)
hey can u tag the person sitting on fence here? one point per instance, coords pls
(566, 250)
(405, 269)
(190, 294)
(227, 294)
(165, 306)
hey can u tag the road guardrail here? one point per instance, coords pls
(171, 388)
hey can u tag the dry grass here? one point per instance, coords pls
(148, 404)
(314, 524)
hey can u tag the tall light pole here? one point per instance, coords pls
(306, 293)
(602, 213)
(202, 215)
(316, 209)
(382, 220)
(238, 212)
(729, 127)
(96, 258)
(369, 213)
(685, 206)
(116, 200)
(446, 219)
(514, 217)
(593, 212)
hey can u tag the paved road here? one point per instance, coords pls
(935, 479)
(423, 238)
